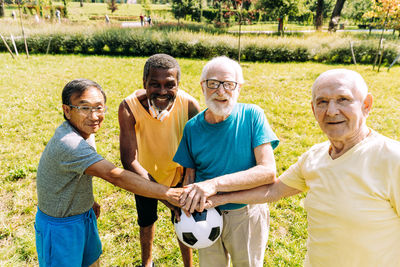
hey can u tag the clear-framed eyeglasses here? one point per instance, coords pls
(214, 84)
(86, 110)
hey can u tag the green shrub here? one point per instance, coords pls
(145, 42)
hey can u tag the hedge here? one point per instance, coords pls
(130, 42)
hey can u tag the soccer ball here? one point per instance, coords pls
(201, 229)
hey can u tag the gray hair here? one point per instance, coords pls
(351, 76)
(79, 86)
(223, 60)
(161, 61)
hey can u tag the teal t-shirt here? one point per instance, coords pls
(226, 147)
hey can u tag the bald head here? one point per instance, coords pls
(342, 77)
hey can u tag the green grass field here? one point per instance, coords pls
(30, 111)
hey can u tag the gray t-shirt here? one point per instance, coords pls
(62, 187)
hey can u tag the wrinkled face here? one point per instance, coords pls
(161, 87)
(220, 101)
(339, 108)
(84, 123)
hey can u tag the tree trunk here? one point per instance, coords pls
(319, 15)
(336, 15)
(1, 8)
(81, 3)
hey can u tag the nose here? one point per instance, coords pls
(332, 109)
(94, 115)
(221, 89)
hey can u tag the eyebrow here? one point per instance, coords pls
(87, 102)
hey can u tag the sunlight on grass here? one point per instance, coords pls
(30, 111)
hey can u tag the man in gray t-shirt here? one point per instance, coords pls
(66, 224)
(63, 187)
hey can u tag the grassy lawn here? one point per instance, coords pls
(30, 111)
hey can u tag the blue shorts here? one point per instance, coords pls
(71, 241)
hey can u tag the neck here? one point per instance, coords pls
(339, 147)
(212, 118)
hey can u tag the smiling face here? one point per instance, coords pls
(340, 107)
(85, 124)
(161, 87)
(220, 101)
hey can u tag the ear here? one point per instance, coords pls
(312, 107)
(367, 104)
(239, 87)
(67, 111)
(144, 84)
(202, 88)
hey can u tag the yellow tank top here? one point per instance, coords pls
(158, 140)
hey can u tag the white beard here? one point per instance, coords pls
(220, 109)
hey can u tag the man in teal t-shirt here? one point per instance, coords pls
(228, 147)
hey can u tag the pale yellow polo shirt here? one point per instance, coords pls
(352, 203)
(158, 140)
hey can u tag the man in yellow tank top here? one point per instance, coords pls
(151, 126)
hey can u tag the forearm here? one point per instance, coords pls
(138, 184)
(256, 195)
(251, 178)
(262, 194)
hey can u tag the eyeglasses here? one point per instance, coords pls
(214, 84)
(86, 110)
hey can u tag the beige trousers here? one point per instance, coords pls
(243, 239)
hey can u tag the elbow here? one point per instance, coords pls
(114, 176)
(269, 174)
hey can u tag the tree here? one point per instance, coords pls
(336, 15)
(1, 8)
(386, 13)
(319, 18)
(182, 8)
(356, 9)
(112, 5)
(281, 9)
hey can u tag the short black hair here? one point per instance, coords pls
(161, 61)
(79, 86)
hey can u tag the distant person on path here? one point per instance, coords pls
(141, 20)
(13, 15)
(107, 19)
(151, 125)
(352, 181)
(58, 15)
(149, 20)
(229, 147)
(66, 220)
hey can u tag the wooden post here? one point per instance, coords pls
(15, 46)
(8, 48)
(22, 28)
(352, 53)
(394, 61)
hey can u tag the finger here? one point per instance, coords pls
(184, 195)
(186, 212)
(202, 202)
(177, 215)
(189, 200)
(194, 204)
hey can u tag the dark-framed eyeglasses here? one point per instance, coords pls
(214, 84)
(87, 110)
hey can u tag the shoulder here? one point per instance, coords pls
(316, 151)
(195, 121)
(185, 96)
(387, 147)
(250, 108)
(193, 105)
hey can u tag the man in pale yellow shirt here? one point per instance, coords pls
(352, 181)
(151, 126)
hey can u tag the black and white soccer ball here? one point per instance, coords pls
(201, 229)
